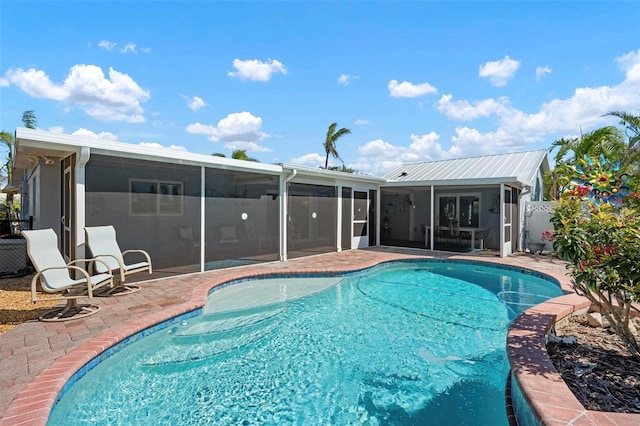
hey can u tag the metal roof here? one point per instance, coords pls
(516, 167)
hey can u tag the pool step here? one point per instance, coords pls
(518, 301)
(212, 325)
(212, 336)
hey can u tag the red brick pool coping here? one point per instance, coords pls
(37, 359)
(549, 398)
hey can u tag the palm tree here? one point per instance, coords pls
(607, 141)
(330, 142)
(630, 160)
(236, 154)
(7, 140)
(632, 124)
(241, 154)
(343, 169)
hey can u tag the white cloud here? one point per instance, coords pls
(472, 142)
(465, 110)
(56, 129)
(541, 72)
(500, 71)
(89, 134)
(36, 84)
(361, 122)
(236, 127)
(379, 150)
(378, 156)
(4, 82)
(409, 90)
(156, 145)
(116, 98)
(196, 103)
(630, 64)
(346, 78)
(129, 48)
(247, 146)
(426, 147)
(256, 70)
(313, 160)
(106, 45)
(516, 129)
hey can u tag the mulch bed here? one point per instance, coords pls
(598, 369)
(15, 302)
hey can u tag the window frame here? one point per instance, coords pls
(162, 203)
(457, 196)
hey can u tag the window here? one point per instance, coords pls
(461, 210)
(150, 197)
(448, 212)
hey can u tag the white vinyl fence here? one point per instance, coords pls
(537, 220)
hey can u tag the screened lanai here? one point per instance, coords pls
(465, 204)
(190, 212)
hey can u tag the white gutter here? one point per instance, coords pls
(293, 174)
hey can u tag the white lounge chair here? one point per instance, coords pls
(55, 276)
(103, 245)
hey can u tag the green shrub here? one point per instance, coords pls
(602, 245)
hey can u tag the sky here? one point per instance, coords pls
(413, 81)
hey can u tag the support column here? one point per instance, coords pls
(78, 220)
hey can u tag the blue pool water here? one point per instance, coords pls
(404, 344)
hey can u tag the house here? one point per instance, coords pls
(194, 212)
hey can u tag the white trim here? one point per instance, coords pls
(352, 219)
(340, 219)
(432, 218)
(32, 138)
(203, 203)
(79, 216)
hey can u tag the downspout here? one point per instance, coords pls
(284, 214)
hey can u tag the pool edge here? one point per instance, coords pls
(538, 393)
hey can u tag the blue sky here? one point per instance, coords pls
(414, 81)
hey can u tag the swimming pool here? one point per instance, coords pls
(395, 344)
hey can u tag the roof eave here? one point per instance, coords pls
(337, 176)
(459, 182)
(66, 144)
